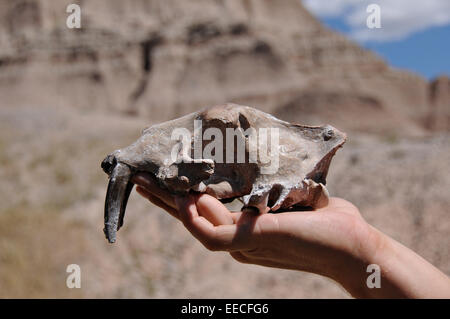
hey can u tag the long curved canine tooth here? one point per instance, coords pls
(119, 189)
(284, 193)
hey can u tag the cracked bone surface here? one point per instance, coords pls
(230, 152)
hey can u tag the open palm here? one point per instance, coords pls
(315, 241)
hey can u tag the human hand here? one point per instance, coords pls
(333, 241)
(322, 241)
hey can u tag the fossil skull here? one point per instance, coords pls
(230, 152)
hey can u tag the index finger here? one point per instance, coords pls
(149, 183)
(215, 238)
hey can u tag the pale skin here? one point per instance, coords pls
(334, 241)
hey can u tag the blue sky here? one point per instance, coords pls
(414, 35)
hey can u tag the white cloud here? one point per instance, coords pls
(399, 18)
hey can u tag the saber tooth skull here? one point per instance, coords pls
(228, 151)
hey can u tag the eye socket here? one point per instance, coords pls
(328, 134)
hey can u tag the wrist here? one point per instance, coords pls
(398, 269)
(351, 270)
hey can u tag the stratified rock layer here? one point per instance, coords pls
(166, 58)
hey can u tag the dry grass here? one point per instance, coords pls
(36, 246)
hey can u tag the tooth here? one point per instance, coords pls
(124, 204)
(119, 189)
(257, 199)
(283, 195)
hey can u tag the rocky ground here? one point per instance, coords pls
(52, 192)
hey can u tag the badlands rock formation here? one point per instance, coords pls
(439, 115)
(162, 59)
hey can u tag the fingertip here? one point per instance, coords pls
(141, 191)
(238, 256)
(206, 201)
(213, 210)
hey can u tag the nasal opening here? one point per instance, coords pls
(109, 163)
